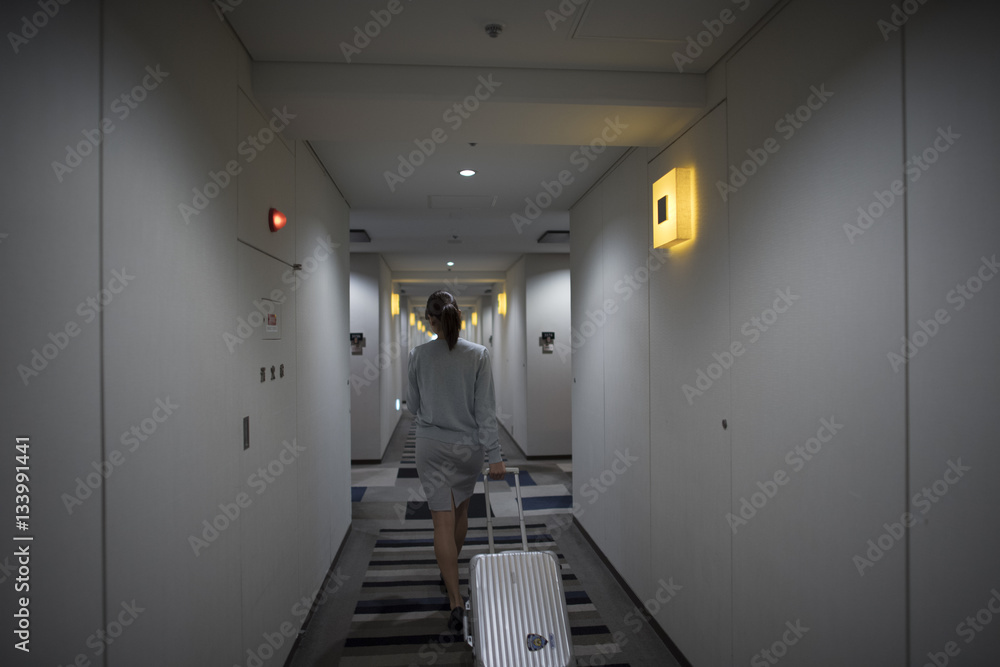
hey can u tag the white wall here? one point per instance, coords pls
(375, 374)
(953, 389)
(510, 380)
(587, 396)
(168, 372)
(366, 395)
(786, 232)
(548, 376)
(50, 261)
(796, 558)
(324, 397)
(387, 359)
(690, 451)
(533, 390)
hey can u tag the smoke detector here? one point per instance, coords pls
(494, 29)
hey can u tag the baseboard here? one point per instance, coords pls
(316, 598)
(660, 632)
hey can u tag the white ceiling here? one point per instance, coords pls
(561, 74)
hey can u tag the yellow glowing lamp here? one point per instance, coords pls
(475, 320)
(413, 319)
(672, 209)
(463, 325)
(395, 304)
(502, 303)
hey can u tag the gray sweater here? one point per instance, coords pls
(451, 394)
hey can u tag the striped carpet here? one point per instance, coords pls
(400, 618)
(538, 500)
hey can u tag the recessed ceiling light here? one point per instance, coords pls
(467, 172)
(451, 263)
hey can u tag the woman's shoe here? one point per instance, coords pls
(455, 621)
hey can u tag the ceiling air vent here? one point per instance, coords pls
(554, 237)
(360, 236)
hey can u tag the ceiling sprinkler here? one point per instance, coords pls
(494, 29)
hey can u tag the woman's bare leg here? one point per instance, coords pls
(461, 524)
(446, 552)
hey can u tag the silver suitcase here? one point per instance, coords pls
(516, 607)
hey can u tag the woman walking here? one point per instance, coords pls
(451, 395)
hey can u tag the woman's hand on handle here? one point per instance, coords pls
(498, 470)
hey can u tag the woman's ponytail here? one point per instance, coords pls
(442, 305)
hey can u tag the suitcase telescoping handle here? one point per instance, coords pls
(520, 508)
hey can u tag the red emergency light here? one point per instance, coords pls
(276, 219)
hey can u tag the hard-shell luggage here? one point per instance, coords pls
(516, 608)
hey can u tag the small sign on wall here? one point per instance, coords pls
(547, 341)
(272, 319)
(357, 342)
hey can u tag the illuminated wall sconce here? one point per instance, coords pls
(413, 319)
(502, 303)
(276, 219)
(475, 319)
(672, 210)
(395, 304)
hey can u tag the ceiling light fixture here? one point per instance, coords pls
(467, 172)
(451, 263)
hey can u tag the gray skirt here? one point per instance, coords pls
(445, 469)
